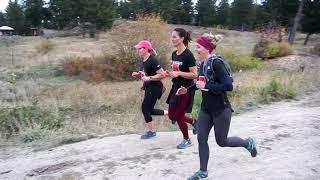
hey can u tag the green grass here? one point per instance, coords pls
(276, 49)
(14, 120)
(196, 104)
(30, 137)
(276, 90)
(239, 61)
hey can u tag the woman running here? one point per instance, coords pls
(184, 70)
(216, 109)
(150, 73)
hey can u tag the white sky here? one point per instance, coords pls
(3, 5)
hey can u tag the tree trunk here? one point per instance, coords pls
(296, 22)
(307, 38)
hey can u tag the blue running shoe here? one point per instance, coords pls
(148, 135)
(184, 144)
(199, 175)
(252, 147)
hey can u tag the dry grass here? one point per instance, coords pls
(248, 85)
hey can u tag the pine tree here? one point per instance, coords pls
(310, 19)
(15, 17)
(125, 9)
(242, 14)
(282, 12)
(223, 13)
(3, 20)
(181, 12)
(206, 12)
(166, 9)
(187, 13)
(262, 15)
(61, 13)
(34, 12)
(67, 13)
(100, 12)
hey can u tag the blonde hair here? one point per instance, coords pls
(214, 39)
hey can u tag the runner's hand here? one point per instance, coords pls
(145, 78)
(182, 90)
(200, 84)
(174, 74)
(135, 74)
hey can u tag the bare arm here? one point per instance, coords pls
(193, 74)
(160, 75)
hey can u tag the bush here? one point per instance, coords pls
(275, 91)
(147, 27)
(44, 46)
(100, 68)
(120, 65)
(45, 70)
(13, 120)
(271, 49)
(29, 137)
(239, 61)
(316, 49)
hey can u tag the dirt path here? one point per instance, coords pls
(288, 134)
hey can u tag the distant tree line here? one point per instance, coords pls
(240, 14)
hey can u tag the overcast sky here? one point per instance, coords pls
(4, 3)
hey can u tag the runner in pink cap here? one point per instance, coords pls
(146, 45)
(151, 74)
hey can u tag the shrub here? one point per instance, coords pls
(148, 27)
(239, 61)
(275, 91)
(316, 49)
(100, 68)
(271, 49)
(121, 64)
(45, 70)
(44, 46)
(29, 137)
(13, 120)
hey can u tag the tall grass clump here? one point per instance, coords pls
(316, 49)
(278, 89)
(44, 46)
(13, 120)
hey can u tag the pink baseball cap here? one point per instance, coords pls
(146, 45)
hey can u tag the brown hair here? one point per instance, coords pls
(185, 34)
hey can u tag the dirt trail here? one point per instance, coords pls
(288, 134)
